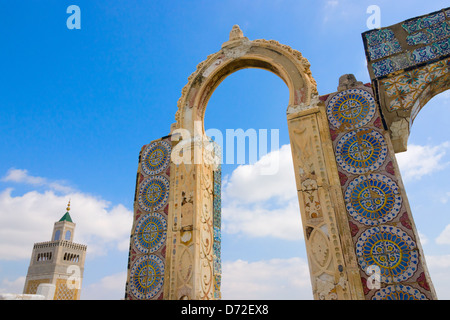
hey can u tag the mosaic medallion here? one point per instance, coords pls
(351, 108)
(399, 292)
(150, 233)
(153, 193)
(147, 277)
(361, 151)
(389, 248)
(156, 157)
(373, 199)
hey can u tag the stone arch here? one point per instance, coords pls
(408, 63)
(407, 93)
(192, 268)
(240, 53)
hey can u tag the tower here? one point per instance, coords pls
(59, 261)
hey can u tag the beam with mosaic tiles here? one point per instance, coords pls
(408, 63)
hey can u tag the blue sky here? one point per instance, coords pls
(77, 105)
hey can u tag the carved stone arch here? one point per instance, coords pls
(190, 244)
(354, 210)
(430, 90)
(240, 53)
(405, 94)
(408, 63)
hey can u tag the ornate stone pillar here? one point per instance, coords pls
(332, 262)
(386, 243)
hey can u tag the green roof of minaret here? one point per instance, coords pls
(66, 216)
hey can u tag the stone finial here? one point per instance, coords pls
(348, 81)
(236, 33)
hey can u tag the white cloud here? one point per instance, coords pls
(22, 176)
(14, 286)
(110, 287)
(445, 97)
(281, 222)
(249, 184)
(438, 262)
(338, 13)
(29, 218)
(331, 3)
(439, 267)
(419, 161)
(329, 9)
(259, 205)
(423, 238)
(445, 197)
(444, 236)
(283, 279)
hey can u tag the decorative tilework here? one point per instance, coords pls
(417, 24)
(376, 37)
(217, 285)
(442, 47)
(361, 150)
(63, 291)
(150, 233)
(390, 249)
(373, 199)
(153, 193)
(423, 54)
(418, 38)
(428, 39)
(217, 264)
(383, 67)
(399, 292)
(383, 235)
(408, 59)
(403, 90)
(436, 32)
(351, 108)
(156, 157)
(384, 49)
(147, 277)
(146, 259)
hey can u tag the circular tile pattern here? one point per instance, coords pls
(389, 248)
(361, 151)
(156, 157)
(399, 292)
(153, 193)
(373, 199)
(150, 233)
(352, 108)
(147, 277)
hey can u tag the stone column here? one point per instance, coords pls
(333, 267)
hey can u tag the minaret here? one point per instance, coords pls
(59, 262)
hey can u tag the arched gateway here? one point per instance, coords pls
(359, 232)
